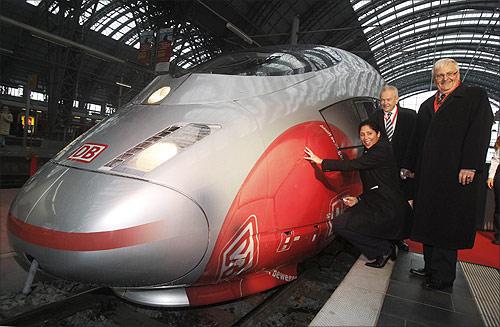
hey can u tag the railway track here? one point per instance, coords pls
(295, 303)
(58, 310)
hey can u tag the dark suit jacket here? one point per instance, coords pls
(405, 125)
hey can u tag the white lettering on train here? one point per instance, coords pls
(282, 276)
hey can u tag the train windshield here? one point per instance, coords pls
(272, 61)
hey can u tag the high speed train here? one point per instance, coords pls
(197, 192)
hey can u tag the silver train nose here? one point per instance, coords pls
(111, 230)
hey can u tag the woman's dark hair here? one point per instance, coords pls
(370, 123)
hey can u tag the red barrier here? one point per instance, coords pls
(33, 164)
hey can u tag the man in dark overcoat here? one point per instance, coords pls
(398, 124)
(447, 154)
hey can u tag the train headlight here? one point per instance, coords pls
(154, 156)
(159, 148)
(158, 95)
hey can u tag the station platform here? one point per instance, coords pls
(391, 296)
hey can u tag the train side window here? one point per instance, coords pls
(365, 108)
(371, 106)
(343, 116)
(377, 104)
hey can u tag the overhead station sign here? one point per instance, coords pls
(164, 49)
(146, 47)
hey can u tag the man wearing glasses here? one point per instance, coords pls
(447, 155)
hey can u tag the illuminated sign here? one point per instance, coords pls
(31, 120)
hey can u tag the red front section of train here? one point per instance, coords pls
(282, 214)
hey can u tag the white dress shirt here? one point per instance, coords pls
(495, 160)
(394, 117)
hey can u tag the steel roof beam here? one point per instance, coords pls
(63, 41)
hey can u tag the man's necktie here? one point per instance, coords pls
(441, 97)
(389, 129)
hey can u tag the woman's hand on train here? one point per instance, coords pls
(490, 183)
(350, 201)
(311, 156)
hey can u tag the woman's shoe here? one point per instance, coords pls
(380, 261)
(394, 253)
(402, 245)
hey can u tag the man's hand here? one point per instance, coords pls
(490, 182)
(350, 201)
(405, 173)
(466, 176)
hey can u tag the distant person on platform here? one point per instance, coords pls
(379, 215)
(447, 155)
(5, 121)
(398, 124)
(493, 182)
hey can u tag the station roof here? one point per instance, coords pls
(407, 37)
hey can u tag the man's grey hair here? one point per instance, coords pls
(390, 88)
(444, 62)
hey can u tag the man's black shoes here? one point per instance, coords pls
(419, 272)
(431, 283)
(403, 246)
(437, 285)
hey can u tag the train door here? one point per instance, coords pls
(346, 116)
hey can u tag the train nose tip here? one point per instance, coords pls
(111, 230)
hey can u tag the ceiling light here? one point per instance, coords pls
(124, 85)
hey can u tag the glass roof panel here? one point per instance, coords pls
(114, 25)
(487, 54)
(85, 16)
(126, 28)
(413, 34)
(360, 3)
(109, 19)
(107, 31)
(124, 18)
(34, 2)
(90, 9)
(117, 35)
(54, 8)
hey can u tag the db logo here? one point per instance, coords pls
(242, 252)
(87, 152)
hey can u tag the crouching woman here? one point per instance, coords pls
(381, 214)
